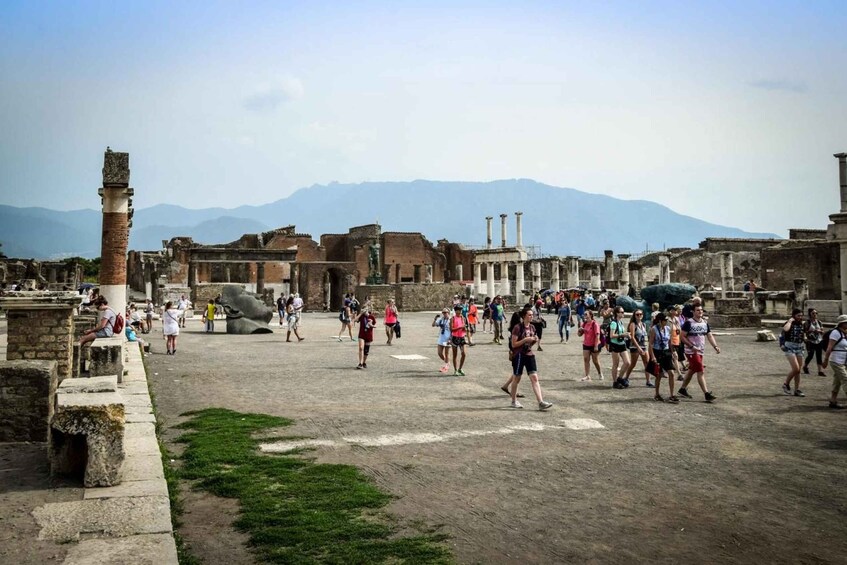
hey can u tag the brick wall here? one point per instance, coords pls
(410, 297)
(818, 263)
(27, 389)
(114, 244)
(202, 293)
(45, 335)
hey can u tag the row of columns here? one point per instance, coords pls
(503, 217)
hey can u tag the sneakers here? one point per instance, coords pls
(679, 378)
(798, 392)
(359, 366)
(835, 406)
(364, 365)
(617, 384)
(443, 369)
(805, 370)
(624, 383)
(710, 397)
(648, 384)
(585, 378)
(673, 399)
(683, 392)
(658, 398)
(516, 404)
(786, 389)
(455, 372)
(461, 373)
(544, 405)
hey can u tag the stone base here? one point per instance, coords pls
(106, 357)
(26, 399)
(735, 321)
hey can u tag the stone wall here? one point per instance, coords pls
(27, 389)
(816, 261)
(411, 297)
(42, 335)
(718, 244)
(204, 292)
(698, 267)
(800, 233)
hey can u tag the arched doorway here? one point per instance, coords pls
(335, 287)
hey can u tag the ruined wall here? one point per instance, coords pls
(41, 335)
(455, 254)
(718, 244)
(379, 295)
(800, 233)
(421, 297)
(698, 267)
(816, 261)
(27, 389)
(202, 293)
(406, 250)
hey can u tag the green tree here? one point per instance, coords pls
(90, 267)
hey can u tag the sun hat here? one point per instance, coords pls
(841, 319)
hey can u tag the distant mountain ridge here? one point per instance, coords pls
(562, 221)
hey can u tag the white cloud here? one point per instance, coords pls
(268, 97)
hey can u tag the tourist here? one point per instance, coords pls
(814, 341)
(607, 313)
(677, 347)
(473, 320)
(498, 315)
(630, 291)
(618, 347)
(170, 326)
(297, 305)
(346, 317)
(538, 322)
(638, 344)
(695, 332)
(486, 315)
(292, 320)
(134, 318)
(795, 349)
(442, 322)
(458, 341)
(590, 332)
(148, 310)
(522, 339)
(182, 305)
(514, 321)
(661, 354)
(580, 310)
(105, 324)
(564, 320)
(654, 311)
(280, 309)
(688, 309)
(390, 320)
(836, 350)
(219, 307)
(367, 322)
(210, 316)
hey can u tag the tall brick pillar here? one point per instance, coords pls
(260, 278)
(115, 195)
(40, 327)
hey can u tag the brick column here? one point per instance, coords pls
(40, 327)
(260, 278)
(115, 195)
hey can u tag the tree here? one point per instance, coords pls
(90, 267)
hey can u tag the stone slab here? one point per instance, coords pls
(137, 400)
(118, 517)
(134, 377)
(138, 410)
(147, 487)
(64, 401)
(139, 429)
(135, 387)
(133, 417)
(92, 384)
(150, 549)
(142, 467)
(141, 446)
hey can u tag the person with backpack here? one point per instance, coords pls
(794, 347)
(522, 339)
(618, 346)
(109, 324)
(346, 318)
(638, 344)
(458, 333)
(590, 333)
(836, 350)
(514, 321)
(661, 354)
(814, 341)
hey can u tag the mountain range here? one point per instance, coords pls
(561, 221)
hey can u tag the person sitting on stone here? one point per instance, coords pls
(105, 324)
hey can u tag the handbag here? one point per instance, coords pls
(653, 368)
(397, 329)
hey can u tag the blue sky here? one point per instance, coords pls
(730, 111)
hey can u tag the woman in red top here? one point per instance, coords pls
(473, 318)
(590, 332)
(458, 331)
(367, 321)
(390, 320)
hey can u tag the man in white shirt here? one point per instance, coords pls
(837, 351)
(182, 305)
(298, 306)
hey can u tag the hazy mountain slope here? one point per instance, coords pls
(218, 230)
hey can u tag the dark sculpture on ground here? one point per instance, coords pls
(665, 294)
(245, 313)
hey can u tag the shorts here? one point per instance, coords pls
(617, 347)
(588, 347)
(794, 349)
(521, 362)
(102, 333)
(680, 352)
(292, 322)
(664, 357)
(443, 342)
(391, 325)
(839, 378)
(539, 329)
(695, 362)
(457, 341)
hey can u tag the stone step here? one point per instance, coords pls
(91, 384)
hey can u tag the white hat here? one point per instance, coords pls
(841, 319)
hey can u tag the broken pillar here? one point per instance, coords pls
(488, 240)
(477, 278)
(260, 278)
(664, 268)
(460, 274)
(623, 272)
(838, 231)
(609, 266)
(573, 272)
(801, 294)
(518, 230)
(536, 275)
(116, 198)
(727, 275)
(595, 277)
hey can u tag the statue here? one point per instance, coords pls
(374, 274)
(245, 312)
(668, 294)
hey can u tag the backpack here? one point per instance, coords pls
(119, 324)
(521, 335)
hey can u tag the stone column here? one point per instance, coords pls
(801, 293)
(460, 274)
(260, 278)
(115, 195)
(489, 279)
(488, 231)
(228, 272)
(428, 273)
(504, 278)
(635, 275)
(555, 283)
(609, 269)
(519, 279)
(294, 271)
(51, 275)
(664, 268)
(477, 278)
(536, 275)
(192, 275)
(40, 327)
(417, 274)
(518, 230)
(595, 278)
(727, 276)
(573, 272)
(842, 178)
(503, 230)
(623, 272)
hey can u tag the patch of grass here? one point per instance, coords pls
(295, 510)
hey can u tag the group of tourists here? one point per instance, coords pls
(290, 310)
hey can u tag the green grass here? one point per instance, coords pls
(295, 510)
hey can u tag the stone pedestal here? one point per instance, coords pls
(106, 356)
(27, 389)
(40, 326)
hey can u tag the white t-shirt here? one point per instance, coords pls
(170, 320)
(839, 350)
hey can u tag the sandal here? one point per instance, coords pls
(583, 379)
(504, 389)
(658, 398)
(673, 399)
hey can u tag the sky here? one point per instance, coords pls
(728, 111)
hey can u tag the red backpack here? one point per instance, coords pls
(118, 325)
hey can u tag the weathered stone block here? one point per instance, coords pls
(106, 356)
(88, 429)
(93, 384)
(27, 399)
(765, 335)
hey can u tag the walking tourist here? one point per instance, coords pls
(695, 333)
(564, 320)
(170, 326)
(292, 320)
(346, 318)
(662, 355)
(442, 322)
(795, 349)
(182, 305)
(473, 319)
(148, 310)
(367, 322)
(498, 315)
(619, 349)
(514, 321)
(458, 332)
(523, 338)
(836, 350)
(210, 316)
(390, 320)
(579, 306)
(486, 315)
(298, 307)
(590, 332)
(638, 344)
(280, 309)
(677, 347)
(814, 341)
(538, 322)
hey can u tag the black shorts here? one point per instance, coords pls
(457, 341)
(539, 329)
(680, 352)
(391, 325)
(617, 347)
(588, 347)
(664, 357)
(521, 362)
